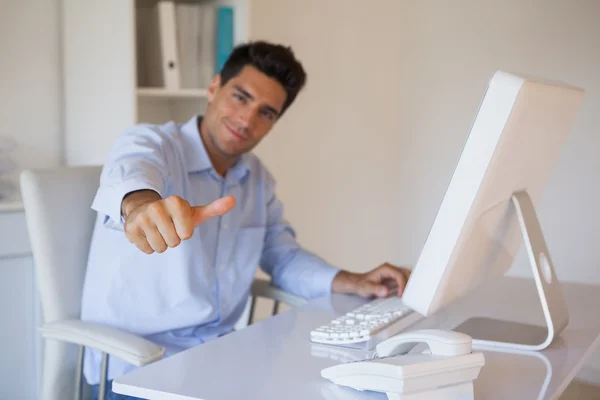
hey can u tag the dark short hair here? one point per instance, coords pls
(274, 60)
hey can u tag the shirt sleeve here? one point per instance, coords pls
(291, 267)
(136, 161)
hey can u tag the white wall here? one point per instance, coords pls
(364, 157)
(30, 83)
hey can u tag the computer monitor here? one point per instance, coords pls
(488, 210)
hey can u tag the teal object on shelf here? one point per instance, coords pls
(224, 35)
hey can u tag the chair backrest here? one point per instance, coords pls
(60, 222)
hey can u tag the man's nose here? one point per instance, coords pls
(247, 116)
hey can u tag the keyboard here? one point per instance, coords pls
(365, 322)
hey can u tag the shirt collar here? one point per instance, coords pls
(196, 156)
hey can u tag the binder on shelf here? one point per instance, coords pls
(168, 44)
(181, 45)
(156, 48)
(225, 35)
(148, 52)
(208, 44)
(196, 44)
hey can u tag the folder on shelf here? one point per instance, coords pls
(158, 64)
(168, 44)
(225, 35)
(148, 53)
(182, 44)
(196, 28)
(208, 44)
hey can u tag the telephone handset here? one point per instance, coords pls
(447, 371)
(440, 342)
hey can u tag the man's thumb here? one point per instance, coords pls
(216, 208)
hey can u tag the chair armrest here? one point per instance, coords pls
(263, 288)
(126, 346)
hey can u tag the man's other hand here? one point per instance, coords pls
(380, 282)
(153, 224)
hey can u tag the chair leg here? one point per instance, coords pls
(251, 313)
(275, 308)
(79, 373)
(102, 389)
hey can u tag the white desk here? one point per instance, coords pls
(273, 359)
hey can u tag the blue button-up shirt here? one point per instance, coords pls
(198, 290)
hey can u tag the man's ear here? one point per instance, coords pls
(213, 88)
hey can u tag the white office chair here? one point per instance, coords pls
(60, 222)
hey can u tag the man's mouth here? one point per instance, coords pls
(237, 134)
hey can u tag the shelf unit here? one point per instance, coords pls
(104, 78)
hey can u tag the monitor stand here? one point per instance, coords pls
(488, 332)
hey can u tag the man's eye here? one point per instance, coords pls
(269, 115)
(239, 97)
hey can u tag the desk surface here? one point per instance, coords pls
(274, 359)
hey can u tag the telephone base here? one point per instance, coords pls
(463, 391)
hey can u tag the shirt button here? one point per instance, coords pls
(225, 226)
(221, 267)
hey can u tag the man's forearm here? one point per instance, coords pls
(298, 271)
(134, 199)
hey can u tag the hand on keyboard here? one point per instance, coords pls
(376, 283)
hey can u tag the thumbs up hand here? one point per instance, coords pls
(154, 224)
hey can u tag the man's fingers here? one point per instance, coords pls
(400, 280)
(166, 229)
(387, 272)
(137, 237)
(368, 289)
(181, 213)
(214, 209)
(155, 239)
(142, 244)
(160, 217)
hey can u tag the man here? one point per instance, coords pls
(199, 214)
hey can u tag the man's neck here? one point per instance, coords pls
(220, 162)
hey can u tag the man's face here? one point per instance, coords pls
(242, 111)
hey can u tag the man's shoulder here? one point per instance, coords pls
(163, 138)
(164, 131)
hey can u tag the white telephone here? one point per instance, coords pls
(446, 371)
